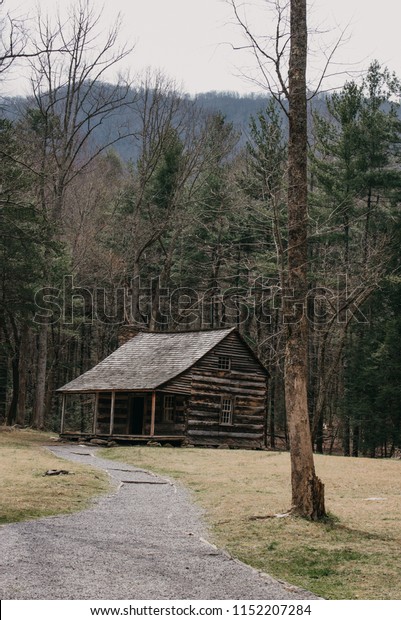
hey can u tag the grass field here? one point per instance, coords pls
(356, 554)
(25, 493)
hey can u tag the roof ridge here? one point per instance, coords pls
(189, 331)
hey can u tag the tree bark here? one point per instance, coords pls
(272, 430)
(23, 374)
(307, 489)
(40, 392)
(3, 384)
(346, 436)
(12, 410)
(16, 340)
(355, 440)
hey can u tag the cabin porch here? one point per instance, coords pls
(124, 415)
(174, 440)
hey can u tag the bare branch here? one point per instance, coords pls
(13, 39)
(274, 80)
(329, 59)
(271, 52)
(70, 92)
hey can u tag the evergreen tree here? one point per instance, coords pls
(356, 182)
(22, 242)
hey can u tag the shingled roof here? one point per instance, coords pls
(147, 361)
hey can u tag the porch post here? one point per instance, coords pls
(153, 415)
(63, 399)
(95, 413)
(113, 402)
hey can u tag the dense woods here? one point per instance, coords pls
(185, 227)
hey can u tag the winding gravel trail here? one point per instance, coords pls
(143, 541)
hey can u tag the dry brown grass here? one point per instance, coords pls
(25, 493)
(356, 554)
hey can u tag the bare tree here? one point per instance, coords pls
(71, 60)
(70, 92)
(170, 145)
(13, 38)
(282, 63)
(307, 489)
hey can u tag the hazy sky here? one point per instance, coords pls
(190, 39)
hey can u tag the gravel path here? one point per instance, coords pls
(144, 541)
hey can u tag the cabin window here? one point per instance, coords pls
(224, 362)
(226, 413)
(168, 409)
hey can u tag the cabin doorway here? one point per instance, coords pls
(137, 409)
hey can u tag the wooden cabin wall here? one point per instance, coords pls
(120, 413)
(167, 428)
(103, 416)
(245, 382)
(121, 410)
(147, 414)
(180, 384)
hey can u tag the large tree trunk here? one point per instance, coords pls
(16, 340)
(38, 420)
(3, 384)
(12, 410)
(355, 440)
(23, 373)
(307, 489)
(346, 436)
(272, 430)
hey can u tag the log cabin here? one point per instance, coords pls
(205, 388)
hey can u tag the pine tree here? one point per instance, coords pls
(22, 241)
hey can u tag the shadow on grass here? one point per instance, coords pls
(328, 562)
(333, 524)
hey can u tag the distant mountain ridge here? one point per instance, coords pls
(237, 109)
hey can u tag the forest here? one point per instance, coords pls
(133, 204)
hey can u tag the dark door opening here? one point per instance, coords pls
(136, 415)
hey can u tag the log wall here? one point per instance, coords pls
(120, 425)
(166, 428)
(245, 383)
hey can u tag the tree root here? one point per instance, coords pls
(275, 516)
